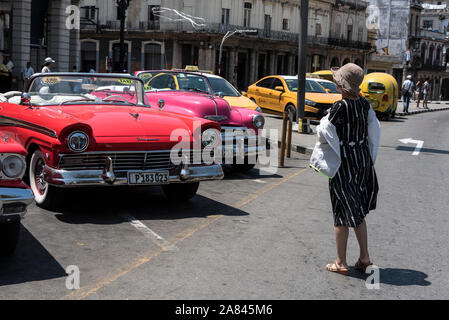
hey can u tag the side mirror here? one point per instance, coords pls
(279, 88)
(220, 94)
(25, 99)
(328, 90)
(161, 104)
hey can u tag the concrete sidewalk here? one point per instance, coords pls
(304, 143)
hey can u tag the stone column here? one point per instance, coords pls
(59, 35)
(253, 56)
(231, 68)
(21, 37)
(177, 55)
(75, 46)
(273, 62)
(291, 64)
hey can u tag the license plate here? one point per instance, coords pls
(144, 177)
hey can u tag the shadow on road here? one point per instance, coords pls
(104, 207)
(396, 277)
(30, 262)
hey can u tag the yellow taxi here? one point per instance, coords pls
(279, 94)
(324, 74)
(382, 91)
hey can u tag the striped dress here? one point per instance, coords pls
(354, 188)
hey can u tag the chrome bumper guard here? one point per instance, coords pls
(233, 144)
(107, 176)
(14, 202)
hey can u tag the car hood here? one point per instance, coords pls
(196, 104)
(242, 102)
(125, 121)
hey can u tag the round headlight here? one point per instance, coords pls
(258, 121)
(13, 167)
(211, 138)
(78, 141)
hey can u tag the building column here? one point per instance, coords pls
(232, 64)
(21, 37)
(75, 46)
(273, 62)
(253, 56)
(177, 55)
(59, 35)
(291, 64)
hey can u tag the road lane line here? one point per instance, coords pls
(147, 232)
(87, 290)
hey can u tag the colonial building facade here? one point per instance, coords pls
(31, 30)
(190, 33)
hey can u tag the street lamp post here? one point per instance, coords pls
(228, 35)
(303, 124)
(123, 6)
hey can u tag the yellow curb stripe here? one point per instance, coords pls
(88, 290)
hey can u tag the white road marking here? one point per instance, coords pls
(259, 181)
(148, 233)
(419, 145)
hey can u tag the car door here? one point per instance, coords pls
(275, 96)
(261, 92)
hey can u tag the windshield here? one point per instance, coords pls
(311, 86)
(329, 85)
(57, 89)
(175, 81)
(220, 85)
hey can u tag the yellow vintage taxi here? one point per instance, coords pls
(382, 91)
(279, 94)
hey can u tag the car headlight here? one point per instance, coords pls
(78, 141)
(13, 166)
(258, 121)
(259, 109)
(310, 103)
(211, 138)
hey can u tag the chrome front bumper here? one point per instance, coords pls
(240, 144)
(14, 202)
(107, 176)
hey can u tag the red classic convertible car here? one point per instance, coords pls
(192, 94)
(15, 195)
(99, 130)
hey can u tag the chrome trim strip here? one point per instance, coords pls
(17, 196)
(7, 121)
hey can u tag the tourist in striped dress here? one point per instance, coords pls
(353, 185)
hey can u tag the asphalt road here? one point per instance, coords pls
(251, 236)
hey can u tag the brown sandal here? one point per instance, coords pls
(334, 267)
(359, 265)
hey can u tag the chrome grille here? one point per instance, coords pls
(120, 161)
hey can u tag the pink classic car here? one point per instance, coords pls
(191, 93)
(15, 195)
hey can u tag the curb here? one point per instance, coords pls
(296, 148)
(421, 111)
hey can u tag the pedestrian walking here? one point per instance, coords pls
(48, 64)
(407, 88)
(27, 72)
(426, 93)
(419, 92)
(346, 151)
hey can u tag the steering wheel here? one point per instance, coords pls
(116, 96)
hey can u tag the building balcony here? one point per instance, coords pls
(433, 66)
(353, 4)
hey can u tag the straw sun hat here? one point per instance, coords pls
(349, 78)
